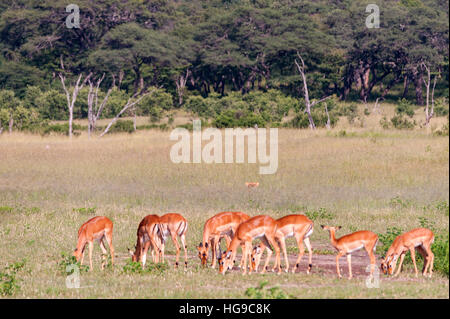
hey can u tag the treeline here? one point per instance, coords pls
(208, 50)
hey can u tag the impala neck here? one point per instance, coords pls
(81, 243)
(205, 235)
(333, 238)
(233, 246)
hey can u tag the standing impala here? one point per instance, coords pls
(174, 225)
(221, 225)
(96, 228)
(148, 237)
(263, 227)
(350, 243)
(420, 239)
(299, 226)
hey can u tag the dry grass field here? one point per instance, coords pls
(367, 179)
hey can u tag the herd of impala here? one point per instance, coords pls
(239, 229)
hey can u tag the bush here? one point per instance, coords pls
(8, 282)
(441, 107)
(404, 107)
(122, 126)
(401, 122)
(262, 293)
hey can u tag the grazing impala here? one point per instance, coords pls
(263, 227)
(96, 228)
(221, 225)
(174, 225)
(351, 243)
(252, 184)
(299, 226)
(148, 237)
(420, 239)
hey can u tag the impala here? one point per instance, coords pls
(96, 228)
(299, 226)
(350, 243)
(174, 225)
(263, 227)
(148, 237)
(420, 239)
(252, 184)
(221, 225)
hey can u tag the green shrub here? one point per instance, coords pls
(401, 122)
(261, 292)
(134, 267)
(441, 107)
(404, 107)
(9, 285)
(122, 126)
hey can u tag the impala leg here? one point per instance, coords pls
(269, 253)
(430, 259)
(370, 250)
(91, 248)
(349, 262)
(241, 264)
(283, 247)
(213, 252)
(308, 246)
(247, 249)
(273, 243)
(339, 255)
(144, 253)
(402, 257)
(82, 254)
(413, 257)
(301, 251)
(104, 252)
(108, 236)
(177, 246)
(424, 254)
(183, 242)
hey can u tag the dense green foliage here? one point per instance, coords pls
(241, 52)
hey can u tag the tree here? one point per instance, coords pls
(309, 105)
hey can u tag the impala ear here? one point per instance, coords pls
(130, 252)
(206, 245)
(229, 254)
(76, 249)
(323, 226)
(339, 227)
(200, 245)
(258, 250)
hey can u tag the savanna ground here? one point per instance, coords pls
(368, 178)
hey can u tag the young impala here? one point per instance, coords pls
(96, 228)
(420, 239)
(299, 226)
(350, 243)
(221, 225)
(148, 237)
(174, 225)
(263, 227)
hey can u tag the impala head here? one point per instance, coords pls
(77, 253)
(331, 228)
(255, 257)
(134, 256)
(203, 253)
(387, 265)
(225, 261)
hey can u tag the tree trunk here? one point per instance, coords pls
(418, 81)
(405, 87)
(11, 124)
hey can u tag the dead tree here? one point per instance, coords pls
(94, 110)
(77, 88)
(181, 85)
(309, 105)
(132, 101)
(429, 112)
